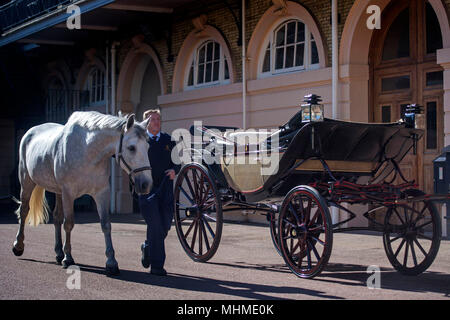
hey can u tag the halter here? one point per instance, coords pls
(128, 170)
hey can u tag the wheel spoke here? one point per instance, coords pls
(308, 254)
(399, 247)
(189, 230)
(420, 247)
(423, 225)
(398, 215)
(413, 252)
(209, 228)
(188, 182)
(291, 207)
(200, 236)
(315, 252)
(205, 235)
(395, 239)
(187, 196)
(194, 236)
(318, 240)
(405, 258)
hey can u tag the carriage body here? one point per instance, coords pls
(292, 176)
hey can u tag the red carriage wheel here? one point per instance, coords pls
(198, 212)
(412, 234)
(305, 232)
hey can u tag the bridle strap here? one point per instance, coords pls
(129, 170)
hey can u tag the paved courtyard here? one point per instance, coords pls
(246, 266)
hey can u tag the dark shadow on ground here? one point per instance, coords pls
(202, 284)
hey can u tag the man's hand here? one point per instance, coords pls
(170, 173)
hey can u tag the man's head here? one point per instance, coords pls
(154, 120)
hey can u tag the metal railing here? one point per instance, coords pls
(17, 12)
(60, 104)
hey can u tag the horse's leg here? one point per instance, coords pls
(58, 217)
(102, 201)
(27, 186)
(67, 204)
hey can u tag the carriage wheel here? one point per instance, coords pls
(305, 231)
(198, 212)
(273, 220)
(412, 235)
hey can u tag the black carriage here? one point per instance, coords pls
(321, 164)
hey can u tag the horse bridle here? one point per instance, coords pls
(131, 172)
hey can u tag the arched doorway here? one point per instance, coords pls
(403, 70)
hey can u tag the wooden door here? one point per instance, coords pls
(404, 71)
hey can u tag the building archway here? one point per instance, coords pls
(404, 70)
(141, 79)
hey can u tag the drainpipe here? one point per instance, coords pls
(335, 77)
(244, 74)
(113, 112)
(107, 108)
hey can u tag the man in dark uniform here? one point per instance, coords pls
(157, 207)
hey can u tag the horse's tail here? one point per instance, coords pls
(39, 209)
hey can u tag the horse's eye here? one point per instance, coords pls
(132, 148)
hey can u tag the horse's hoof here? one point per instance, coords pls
(112, 271)
(67, 263)
(59, 260)
(17, 252)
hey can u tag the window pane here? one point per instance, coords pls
(200, 74)
(201, 55)
(216, 71)
(279, 58)
(208, 72)
(431, 125)
(216, 51)
(395, 83)
(290, 38)
(300, 32)
(299, 55)
(191, 76)
(396, 44)
(280, 37)
(227, 74)
(435, 78)
(434, 35)
(289, 57)
(314, 52)
(209, 54)
(386, 114)
(266, 62)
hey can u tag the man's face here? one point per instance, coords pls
(154, 123)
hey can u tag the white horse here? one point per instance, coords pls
(73, 160)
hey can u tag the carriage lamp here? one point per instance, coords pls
(312, 110)
(410, 116)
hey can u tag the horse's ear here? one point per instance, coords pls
(130, 121)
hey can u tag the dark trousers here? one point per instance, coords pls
(157, 209)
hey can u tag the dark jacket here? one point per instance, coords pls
(159, 154)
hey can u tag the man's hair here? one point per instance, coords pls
(149, 112)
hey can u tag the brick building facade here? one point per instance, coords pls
(153, 58)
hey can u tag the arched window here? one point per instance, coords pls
(291, 47)
(95, 84)
(209, 66)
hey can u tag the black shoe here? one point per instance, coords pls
(145, 256)
(159, 272)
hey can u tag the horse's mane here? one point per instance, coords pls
(93, 120)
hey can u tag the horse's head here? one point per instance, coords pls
(132, 155)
